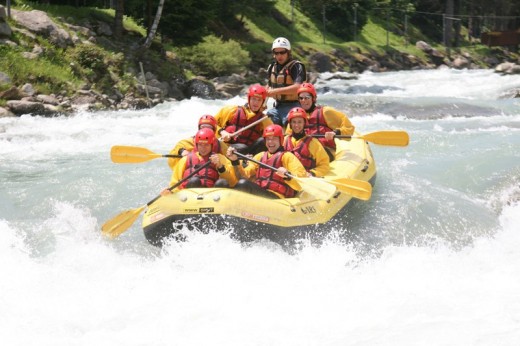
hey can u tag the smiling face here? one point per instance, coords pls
(297, 124)
(305, 100)
(272, 143)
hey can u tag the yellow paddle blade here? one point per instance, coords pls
(117, 225)
(129, 154)
(317, 187)
(395, 138)
(356, 188)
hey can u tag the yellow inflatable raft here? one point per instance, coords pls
(252, 217)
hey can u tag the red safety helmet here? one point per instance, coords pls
(209, 120)
(297, 112)
(205, 135)
(308, 88)
(274, 130)
(257, 90)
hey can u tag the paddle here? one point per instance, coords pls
(120, 223)
(131, 154)
(356, 188)
(236, 133)
(395, 138)
(321, 189)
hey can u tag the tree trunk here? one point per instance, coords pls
(155, 24)
(448, 25)
(118, 18)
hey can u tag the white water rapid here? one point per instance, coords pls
(432, 259)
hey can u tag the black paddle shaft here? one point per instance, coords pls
(265, 165)
(182, 181)
(335, 136)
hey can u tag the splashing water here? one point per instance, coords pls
(431, 259)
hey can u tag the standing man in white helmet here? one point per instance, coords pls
(285, 75)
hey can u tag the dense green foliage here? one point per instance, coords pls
(96, 65)
(220, 37)
(214, 57)
(186, 22)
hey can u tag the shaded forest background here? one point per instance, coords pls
(187, 22)
(178, 40)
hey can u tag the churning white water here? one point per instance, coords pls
(432, 259)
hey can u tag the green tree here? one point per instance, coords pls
(186, 21)
(338, 14)
(216, 57)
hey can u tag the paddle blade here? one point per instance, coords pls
(117, 225)
(128, 154)
(395, 138)
(356, 188)
(317, 187)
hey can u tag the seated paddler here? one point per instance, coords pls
(323, 120)
(231, 119)
(185, 146)
(271, 182)
(307, 149)
(218, 173)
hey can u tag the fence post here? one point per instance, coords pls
(145, 85)
(406, 29)
(444, 36)
(355, 21)
(387, 29)
(323, 15)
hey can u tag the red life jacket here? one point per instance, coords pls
(268, 179)
(316, 125)
(240, 120)
(208, 175)
(302, 152)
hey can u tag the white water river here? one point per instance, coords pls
(432, 259)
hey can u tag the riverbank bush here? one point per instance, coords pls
(215, 57)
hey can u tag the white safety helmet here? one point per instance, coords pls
(281, 42)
